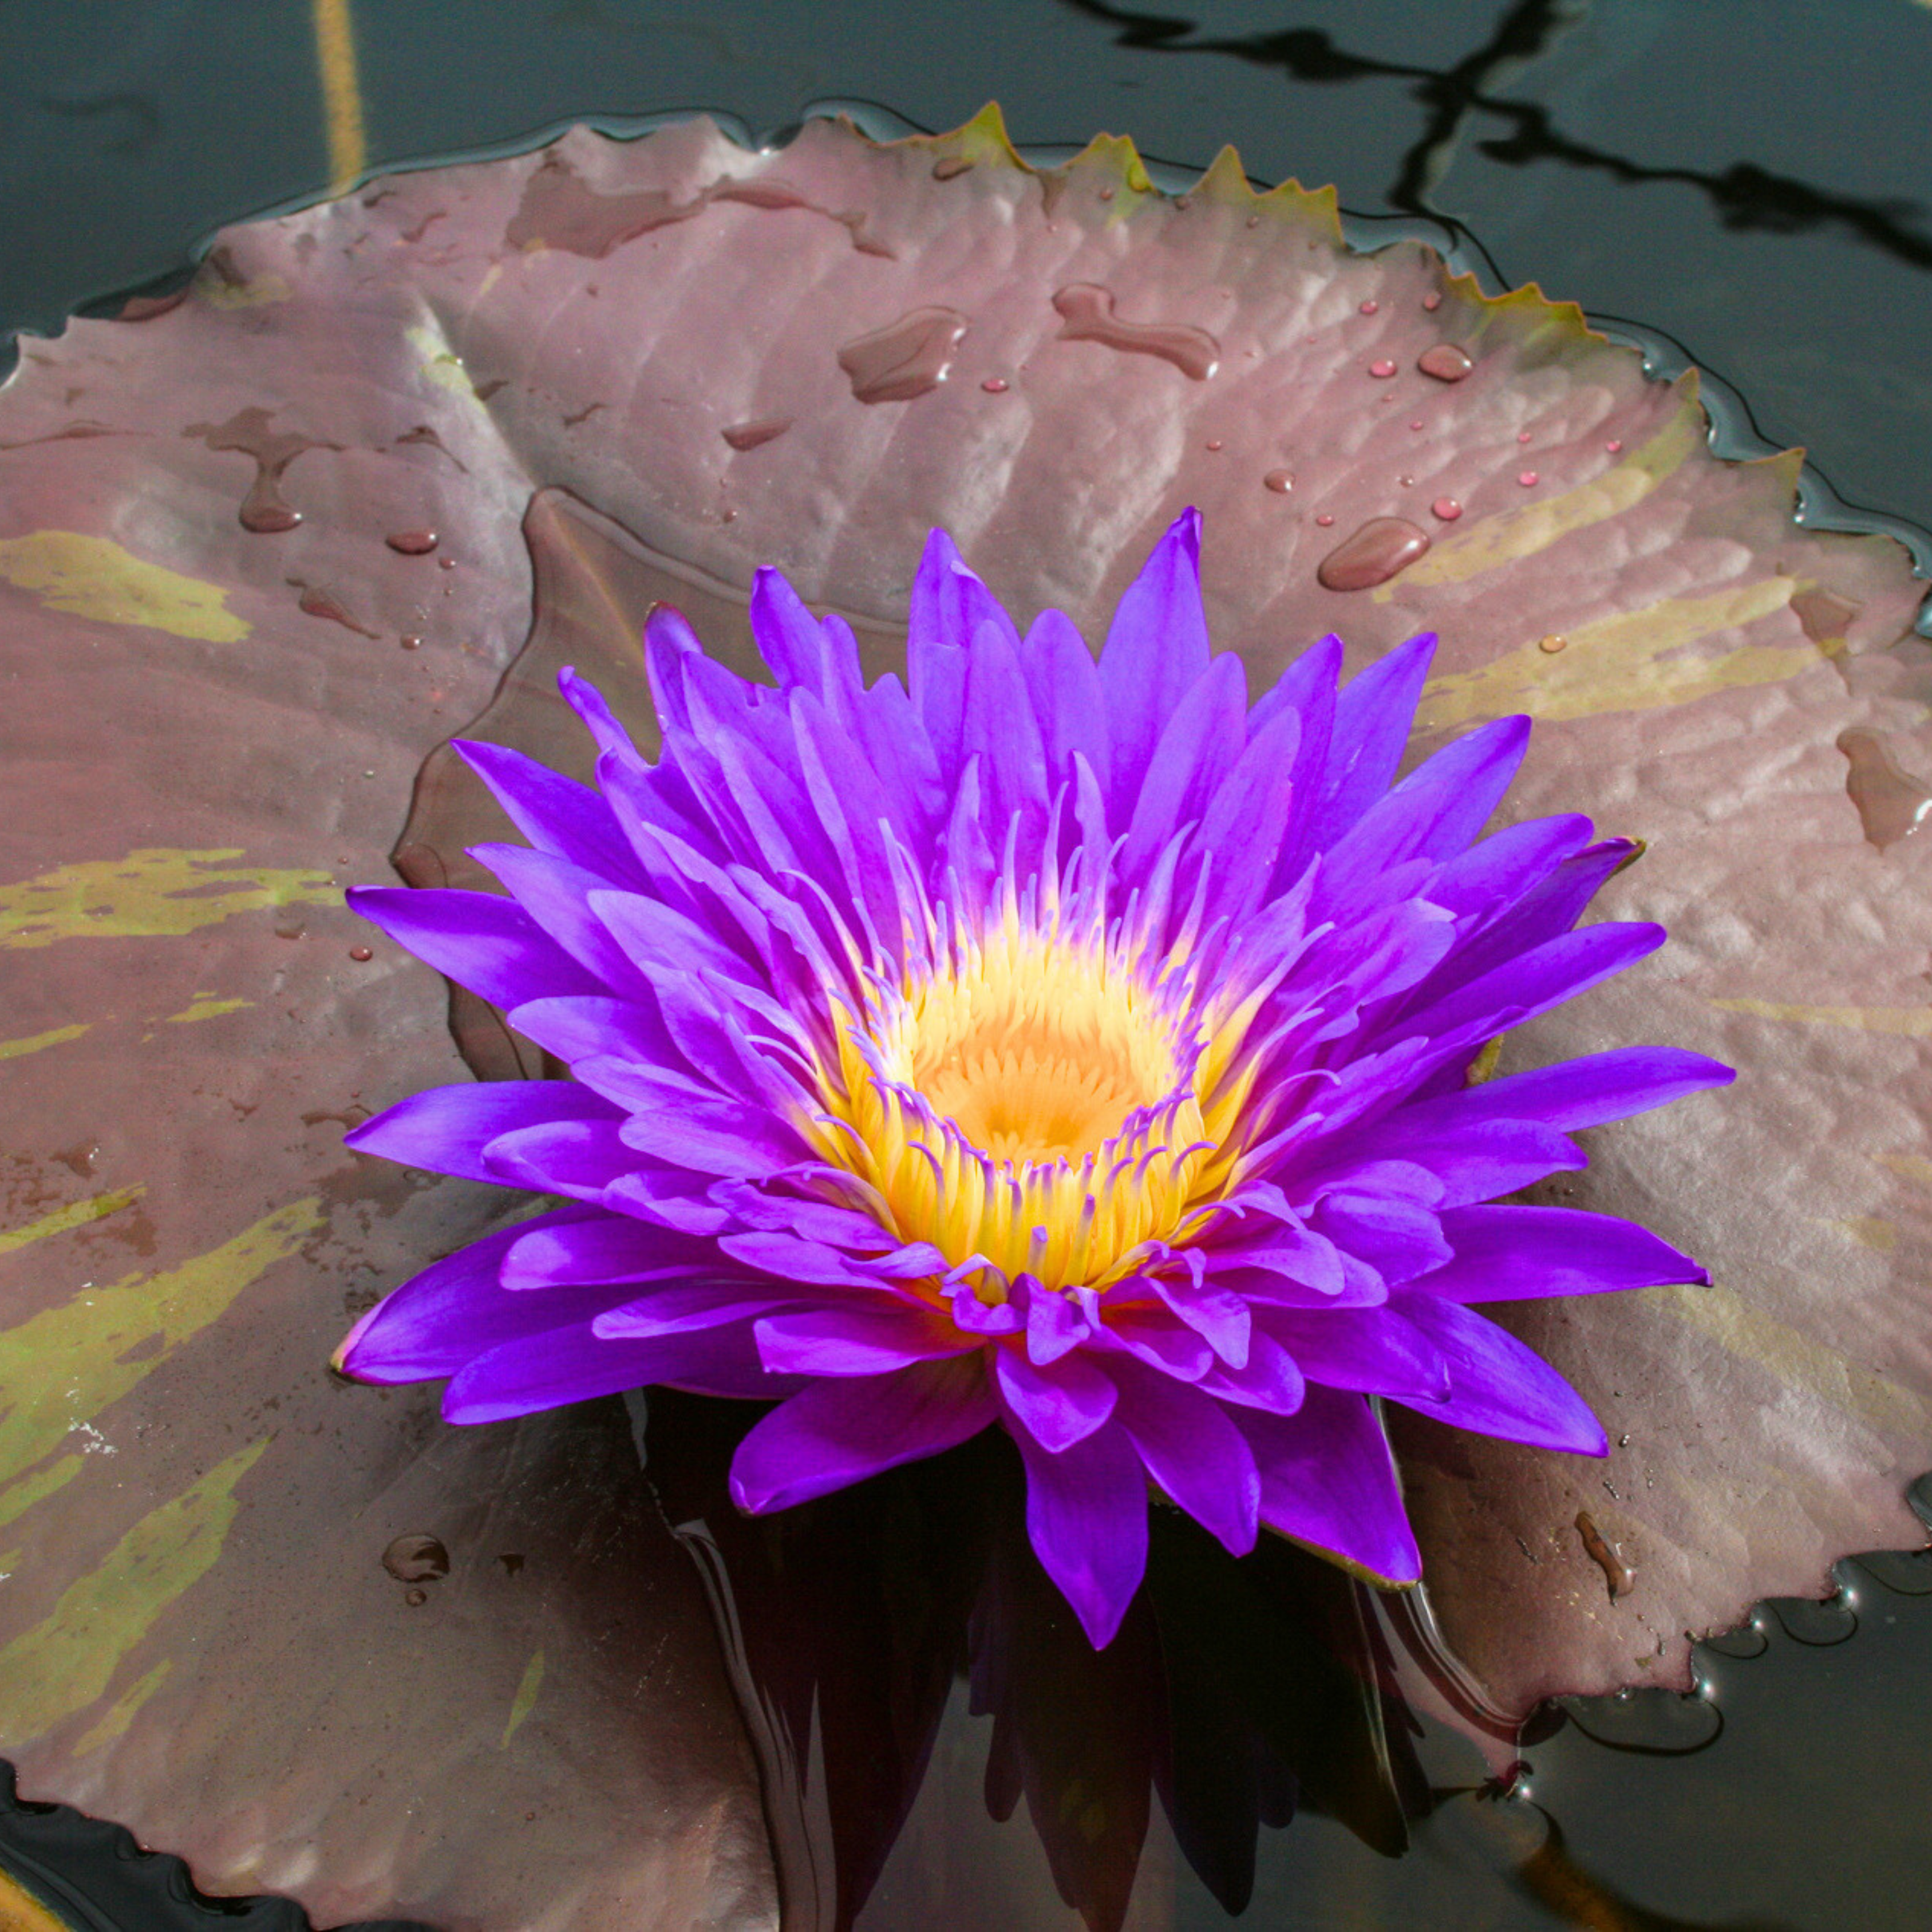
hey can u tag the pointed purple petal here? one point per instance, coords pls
(834, 1433)
(1156, 646)
(488, 944)
(1328, 1481)
(446, 1129)
(1194, 1452)
(856, 1341)
(1087, 1517)
(1498, 1386)
(1509, 1254)
(1057, 1405)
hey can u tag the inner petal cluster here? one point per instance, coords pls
(1029, 1107)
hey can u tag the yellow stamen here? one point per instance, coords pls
(1039, 1105)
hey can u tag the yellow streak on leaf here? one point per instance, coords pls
(1869, 1231)
(121, 1713)
(1912, 1167)
(75, 1214)
(20, 1911)
(264, 292)
(1624, 663)
(155, 891)
(62, 1367)
(1797, 1360)
(1513, 535)
(1912, 1022)
(60, 1666)
(206, 1006)
(525, 1701)
(92, 577)
(35, 1042)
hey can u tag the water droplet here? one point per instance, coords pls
(1381, 371)
(1324, 520)
(265, 511)
(1370, 307)
(445, 563)
(949, 165)
(995, 385)
(1087, 314)
(1891, 804)
(1447, 508)
(362, 955)
(741, 436)
(1615, 444)
(1214, 442)
(416, 1599)
(1433, 301)
(906, 358)
(1528, 479)
(411, 643)
(1376, 553)
(1417, 424)
(290, 926)
(1623, 1441)
(1406, 482)
(416, 1557)
(1106, 194)
(1551, 644)
(412, 543)
(315, 602)
(1523, 435)
(1445, 361)
(1746, 1641)
(1281, 481)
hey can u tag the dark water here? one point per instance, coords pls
(1752, 183)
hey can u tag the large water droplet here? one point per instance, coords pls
(264, 510)
(906, 358)
(314, 601)
(412, 543)
(1281, 481)
(1381, 371)
(416, 1557)
(1891, 804)
(1445, 361)
(949, 166)
(1087, 314)
(1376, 553)
(1447, 508)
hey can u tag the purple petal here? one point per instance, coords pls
(1055, 1325)
(1586, 1092)
(560, 1252)
(590, 1024)
(1399, 1239)
(1509, 1254)
(1271, 1379)
(1087, 1517)
(1156, 646)
(488, 944)
(1373, 715)
(836, 1432)
(457, 1308)
(445, 1129)
(1194, 1452)
(1371, 1350)
(1056, 1405)
(1196, 749)
(1065, 684)
(556, 814)
(997, 725)
(577, 1158)
(1327, 1480)
(856, 1341)
(1217, 1315)
(571, 1364)
(683, 1307)
(1498, 1386)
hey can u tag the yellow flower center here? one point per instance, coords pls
(1034, 1107)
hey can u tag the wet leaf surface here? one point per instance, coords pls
(226, 667)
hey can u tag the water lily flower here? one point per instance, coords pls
(1063, 1044)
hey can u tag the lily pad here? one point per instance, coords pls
(231, 645)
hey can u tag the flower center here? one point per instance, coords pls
(1032, 1106)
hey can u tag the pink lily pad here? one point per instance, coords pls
(230, 648)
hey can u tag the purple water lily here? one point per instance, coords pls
(1061, 1044)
